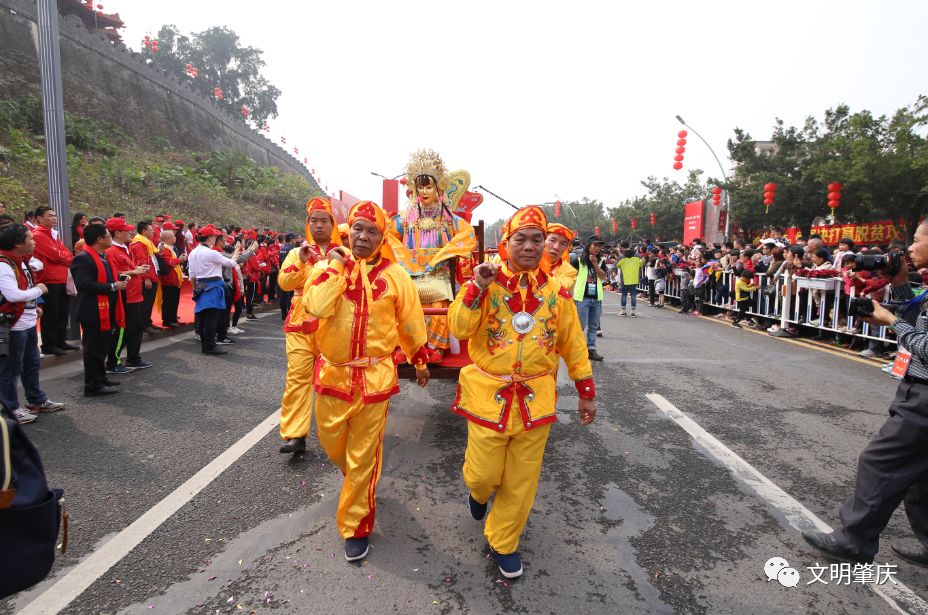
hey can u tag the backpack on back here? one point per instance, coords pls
(31, 514)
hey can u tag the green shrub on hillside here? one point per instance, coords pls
(109, 172)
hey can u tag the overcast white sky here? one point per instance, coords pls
(541, 98)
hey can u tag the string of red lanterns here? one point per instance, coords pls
(191, 71)
(653, 219)
(834, 195)
(770, 192)
(717, 195)
(634, 224)
(615, 226)
(557, 209)
(681, 148)
(218, 93)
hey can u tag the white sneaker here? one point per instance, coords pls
(235, 331)
(867, 353)
(773, 329)
(23, 416)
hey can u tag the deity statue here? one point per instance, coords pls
(432, 234)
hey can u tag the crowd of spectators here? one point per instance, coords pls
(109, 288)
(723, 280)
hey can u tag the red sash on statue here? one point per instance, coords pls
(103, 301)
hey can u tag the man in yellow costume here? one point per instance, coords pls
(296, 403)
(519, 321)
(432, 235)
(556, 243)
(367, 306)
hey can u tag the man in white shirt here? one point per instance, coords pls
(19, 313)
(205, 267)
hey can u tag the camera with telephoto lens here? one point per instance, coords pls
(6, 323)
(890, 263)
(862, 307)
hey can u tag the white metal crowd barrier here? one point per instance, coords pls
(819, 303)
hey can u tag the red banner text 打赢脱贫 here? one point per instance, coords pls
(881, 232)
(692, 221)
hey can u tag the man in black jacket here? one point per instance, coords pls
(99, 307)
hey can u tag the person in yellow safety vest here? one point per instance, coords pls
(519, 321)
(556, 243)
(296, 403)
(367, 305)
(588, 292)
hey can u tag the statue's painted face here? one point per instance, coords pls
(427, 190)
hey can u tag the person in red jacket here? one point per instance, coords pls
(156, 228)
(128, 336)
(143, 251)
(171, 280)
(180, 244)
(273, 255)
(251, 272)
(264, 267)
(56, 259)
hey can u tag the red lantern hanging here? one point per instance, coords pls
(557, 209)
(634, 224)
(597, 231)
(653, 219)
(770, 190)
(681, 149)
(717, 195)
(615, 227)
(245, 112)
(218, 93)
(834, 194)
(404, 181)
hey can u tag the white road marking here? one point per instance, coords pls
(899, 597)
(61, 593)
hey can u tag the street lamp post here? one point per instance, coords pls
(724, 176)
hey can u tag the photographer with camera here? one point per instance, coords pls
(19, 312)
(894, 467)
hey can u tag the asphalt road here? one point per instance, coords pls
(633, 514)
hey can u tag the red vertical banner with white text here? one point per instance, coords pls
(692, 221)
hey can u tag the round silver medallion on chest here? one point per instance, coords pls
(523, 322)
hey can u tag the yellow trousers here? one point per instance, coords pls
(509, 464)
(351, 433)
(437, 326)
(296, 404)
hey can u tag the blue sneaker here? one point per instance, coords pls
(356, 548)
(120, 369)
(509, 565)
(477, 510)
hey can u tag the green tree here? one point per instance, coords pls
(882, 163)
(221, 61)
(665, 199)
